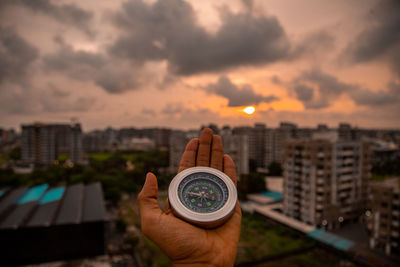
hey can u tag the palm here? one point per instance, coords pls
(185, 243)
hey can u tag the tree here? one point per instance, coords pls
(275, 169)
(251, 183)
(15, 154)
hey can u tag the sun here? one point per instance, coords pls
(249, 110)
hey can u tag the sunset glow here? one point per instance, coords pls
(249, 110)
(264, 56)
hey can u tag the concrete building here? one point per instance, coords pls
(256, 139)
(137, 144)
(161, 137)
(326, 180)
(275, 140)
(383, 219)
(236, 146)
(42, 144)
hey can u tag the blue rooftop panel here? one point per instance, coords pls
(33, 194)
(317, 234)
(52, 195)
(275, 195)
(331, 239)
(343, 244)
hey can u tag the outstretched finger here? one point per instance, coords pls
(217, 153)
(189, 156)
(203, 153)
(147, 199)
(229, 168)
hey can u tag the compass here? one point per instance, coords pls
(203, 196)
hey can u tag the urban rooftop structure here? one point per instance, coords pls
(49, 224)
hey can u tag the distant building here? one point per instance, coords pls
(137, 144)
(257, 137)
(7, 136)
(326, 180)
(275, 140)
(384, 216)
(161, 138)
(42, 144)
(236, 146)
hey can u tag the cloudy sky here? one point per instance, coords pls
(182, 63)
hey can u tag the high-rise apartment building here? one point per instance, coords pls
(384, 216)
(237, 146)
(256, 139)
(42, 144)
(326, 180)
(275, 140)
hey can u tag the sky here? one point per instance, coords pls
(180, 64)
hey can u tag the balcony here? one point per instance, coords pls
(345, 169)
(344, 153)
(345, 186)
(346, 178)
(348, 161)
(346, 209)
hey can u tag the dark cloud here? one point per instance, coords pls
(173, 108)
(315, 42)
(18, 99)
(318, 90)
(58, 92)
(16, 56)
(168, 30)
(381, 98)
(380, 40)
(57, 104)
(67, 13)
(304, 93)
(112, 76)
(237, 95)
(275, 79)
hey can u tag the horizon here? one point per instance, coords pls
(184, 63)
(220, 126)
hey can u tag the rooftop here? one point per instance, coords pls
(42, 205)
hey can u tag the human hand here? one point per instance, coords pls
(184, 243)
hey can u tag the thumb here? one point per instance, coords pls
(147, 198)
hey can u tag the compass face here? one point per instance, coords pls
(202, 196)
(203, 192)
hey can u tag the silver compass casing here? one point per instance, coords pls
(205, 220)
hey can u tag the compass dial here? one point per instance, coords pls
(203, 192)
(203, 196)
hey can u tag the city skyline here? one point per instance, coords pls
(180, 64)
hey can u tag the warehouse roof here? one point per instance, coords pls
(42, 206)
